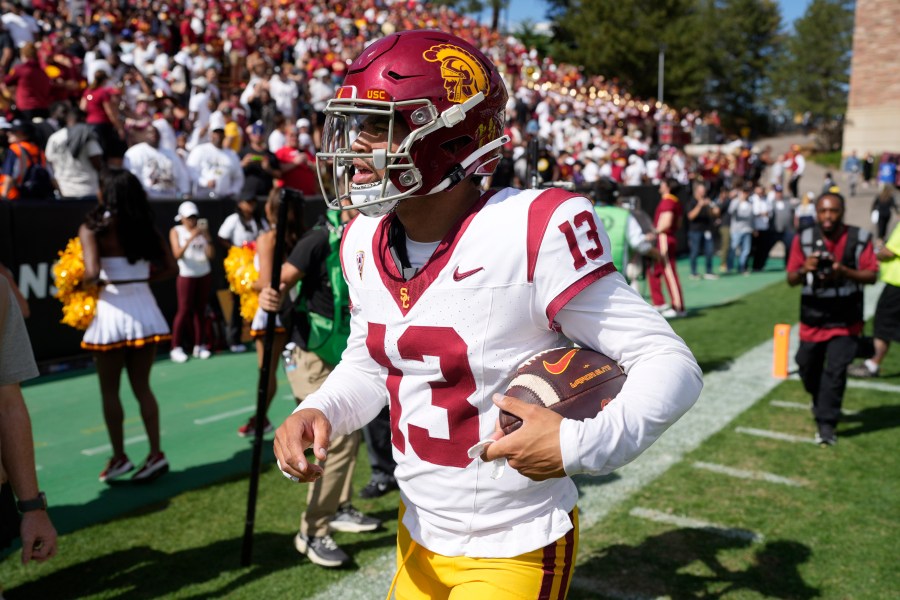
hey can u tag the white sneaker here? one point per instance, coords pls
(201, 352)
(178, 355)
(671, 313)
(237, 348)
(661, 307)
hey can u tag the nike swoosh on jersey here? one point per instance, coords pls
(457, 276)
(562, 364)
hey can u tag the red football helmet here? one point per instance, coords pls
(447, 93)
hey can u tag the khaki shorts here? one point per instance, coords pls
(309, 375)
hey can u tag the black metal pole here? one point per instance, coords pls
(262, 390)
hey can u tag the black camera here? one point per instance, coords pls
(825, 266)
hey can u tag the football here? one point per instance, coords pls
(574, 382)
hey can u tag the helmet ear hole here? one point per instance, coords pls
(456, 144)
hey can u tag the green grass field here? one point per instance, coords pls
(822, 528)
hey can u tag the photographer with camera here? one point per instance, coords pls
(832, 261)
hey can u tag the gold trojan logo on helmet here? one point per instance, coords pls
(464, 76)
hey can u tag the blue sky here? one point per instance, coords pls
(535, 10)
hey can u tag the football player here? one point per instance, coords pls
(451, 289)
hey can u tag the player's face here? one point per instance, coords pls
(373, 135)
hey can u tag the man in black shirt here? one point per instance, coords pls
(702, 215)
(260, 166)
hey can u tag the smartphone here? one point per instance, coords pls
(203, 224)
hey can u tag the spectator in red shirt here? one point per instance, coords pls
(666, 221)
(101, 105)
(32, 85)
(298, 165)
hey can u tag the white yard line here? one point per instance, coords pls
(746, 474)
(224, 415)
(691, 523)
(873, 385)
(775, 435)
(726, 394)
(107, 448)
(802, 406)
(784, 404)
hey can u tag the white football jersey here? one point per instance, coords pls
(443, 342)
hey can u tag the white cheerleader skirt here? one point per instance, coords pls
(127, 315)
(258, 325)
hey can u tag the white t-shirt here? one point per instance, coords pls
(161, 172)
(76, 176)
(436, 347)
(285, 94)
(193, 263)
(199, 105)
(240, 232)
(167, 140)
(21, 28)
(276, 141)
(216, 170)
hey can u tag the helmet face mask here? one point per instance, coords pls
(439, 106)
(345, 119)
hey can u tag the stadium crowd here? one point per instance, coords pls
(154, 88)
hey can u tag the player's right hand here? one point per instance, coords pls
(305, 428)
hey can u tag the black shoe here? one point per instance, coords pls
(377, 489)
(349, 519)
(321, 550)
(826, 435)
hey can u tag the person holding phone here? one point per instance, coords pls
(193, 248)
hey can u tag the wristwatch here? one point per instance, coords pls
(39, 503)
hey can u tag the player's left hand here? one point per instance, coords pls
(533, 449)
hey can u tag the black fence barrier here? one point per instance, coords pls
(33, 232)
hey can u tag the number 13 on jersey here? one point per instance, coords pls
(593, 247)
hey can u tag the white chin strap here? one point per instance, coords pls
(446, 182)
(365, 198)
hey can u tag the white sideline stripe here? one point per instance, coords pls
(873, 385)
(775, 435)
(801, 406)
(784, 404)
(745, 474)
(726, 394)
(108, 448)
(224, 415)
(691, 523)
(861, 383)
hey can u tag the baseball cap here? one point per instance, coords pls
(4, 124)
(302, 122)
(258, 128)
(216, 121)
(186, 209)
(778, 188)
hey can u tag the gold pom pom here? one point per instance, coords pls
(79, 304)
(241, 273)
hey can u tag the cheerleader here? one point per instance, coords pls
(119, 244)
